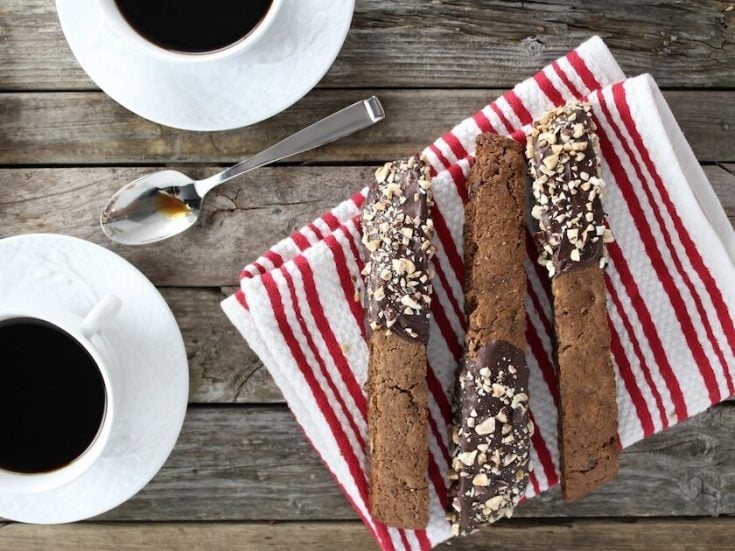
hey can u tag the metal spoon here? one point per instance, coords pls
(166, 203)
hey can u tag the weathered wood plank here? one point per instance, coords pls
(612, 535)
(257, 465)
(222, 368)
(242, 221)
(722, 178)
(239, 464)
(244, 218)
(89, 128)
(685, 43)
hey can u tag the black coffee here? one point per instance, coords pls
(193, 25)
(52, 397)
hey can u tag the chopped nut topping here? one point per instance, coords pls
(382, 173)
(397, 232)
(567, 189)
(410, 302)
(493, 438)
(494, 503)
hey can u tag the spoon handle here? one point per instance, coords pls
(344, 122)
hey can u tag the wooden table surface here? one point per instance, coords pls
(242, 475)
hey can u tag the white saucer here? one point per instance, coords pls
(72, 274)
(273, 74)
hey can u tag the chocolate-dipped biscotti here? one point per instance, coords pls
(490, 463)
(397, 231)
(562, 153)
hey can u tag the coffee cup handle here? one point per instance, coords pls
(103, 312)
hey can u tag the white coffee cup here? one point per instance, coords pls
(120, 25)
(88, 332)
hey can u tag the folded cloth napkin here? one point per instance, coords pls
(671, 299)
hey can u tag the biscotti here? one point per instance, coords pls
(490, 463)
(562, 153)
(397, 232)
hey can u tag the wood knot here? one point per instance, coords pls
(534, 45)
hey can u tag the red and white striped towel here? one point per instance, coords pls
(671, 297)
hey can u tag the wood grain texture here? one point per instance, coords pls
(254, 463)
(90, 128)
(243, 218)
(581, 535)
(722, 178)
(415, 43)
(222, 368)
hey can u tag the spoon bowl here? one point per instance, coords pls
(165, 203)
(152, 208)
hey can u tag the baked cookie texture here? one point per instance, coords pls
(397, 234)
(490, 463)
(567, 189)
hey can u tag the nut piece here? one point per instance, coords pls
(468, 458)
(551, 161)
(480, 480)
(486, 427)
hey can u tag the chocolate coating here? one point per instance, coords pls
(562, 153)
(397, 232)
(490, 468)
